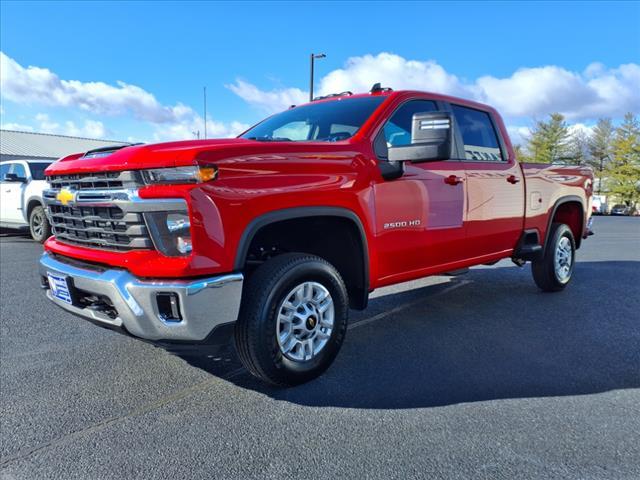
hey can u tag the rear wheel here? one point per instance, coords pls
(552, 272)
(39, 224)
(293, 319)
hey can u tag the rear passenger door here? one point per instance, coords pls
(495, 187)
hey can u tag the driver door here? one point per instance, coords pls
(420, 215)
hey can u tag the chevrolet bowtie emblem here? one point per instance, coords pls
(65, 196)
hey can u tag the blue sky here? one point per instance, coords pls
(527, 59)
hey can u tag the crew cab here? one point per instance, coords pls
(21, 206)
(273, 236)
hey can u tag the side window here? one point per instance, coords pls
(397, 131)
(479, 136)
(19, 170)
(4, 169)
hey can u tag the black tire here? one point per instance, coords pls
(543, 269)
(39, 226)
(255, 332)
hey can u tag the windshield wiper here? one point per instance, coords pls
(270, 139)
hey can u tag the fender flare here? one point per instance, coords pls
(301, 212)
(31, 199)
(554, 209)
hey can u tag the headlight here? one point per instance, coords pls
(171, 232)
(194, 174)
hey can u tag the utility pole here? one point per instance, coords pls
(205, 112)
(313, 58)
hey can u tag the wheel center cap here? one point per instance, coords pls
(311, 323)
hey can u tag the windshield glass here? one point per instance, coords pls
(321, 122)
(37, 169)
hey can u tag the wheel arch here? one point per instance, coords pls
(559, 207)
(272, 218)
(32, 203)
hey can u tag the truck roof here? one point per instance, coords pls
(402, 93)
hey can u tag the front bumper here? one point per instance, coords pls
(204, 304)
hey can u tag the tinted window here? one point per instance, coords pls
(397, 131)
(4, 169)
(478, 134)
(322, 121)
(37, 170)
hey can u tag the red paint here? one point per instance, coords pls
(457, 213)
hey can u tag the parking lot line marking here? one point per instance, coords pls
(399, 308)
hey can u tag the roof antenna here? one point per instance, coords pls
(377, 87)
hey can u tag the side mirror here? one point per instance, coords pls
(431, 135)
(13, 177)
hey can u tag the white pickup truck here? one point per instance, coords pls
(21, 185)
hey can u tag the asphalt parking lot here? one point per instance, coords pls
(474, 376)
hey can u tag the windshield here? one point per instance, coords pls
(37, 169)
(321, 122)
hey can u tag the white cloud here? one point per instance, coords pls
(527, 93)
(270, 102)
(39, 86)
(189, 130)
(16, 126)
(44, 124)
(360, 73)
(518, 134)
(539, 91)
(581, 129)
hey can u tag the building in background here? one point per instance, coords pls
(24, 156)
(43, 146)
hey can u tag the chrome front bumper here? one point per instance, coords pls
(204, 304)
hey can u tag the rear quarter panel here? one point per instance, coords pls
(549, 185)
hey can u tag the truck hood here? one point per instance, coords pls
(224, 152)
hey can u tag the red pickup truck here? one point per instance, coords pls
(273, 236)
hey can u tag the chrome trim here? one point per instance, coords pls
(204, 303)
(88, 181)
(127, 200)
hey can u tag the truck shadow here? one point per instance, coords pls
(492, 336)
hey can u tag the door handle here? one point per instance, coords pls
(452, 180)
(513, 179)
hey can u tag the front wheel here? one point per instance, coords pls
(552, 272)
(293, 319)
(39, 226)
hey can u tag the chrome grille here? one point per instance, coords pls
(97, 215)
(99, 226)
(102, 180)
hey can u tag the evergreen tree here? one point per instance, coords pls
(600, 148)
(521, 155)
(550, 140)
(579, 147)
(623, 172)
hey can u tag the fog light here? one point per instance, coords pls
(169, 307)
(171, 232)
